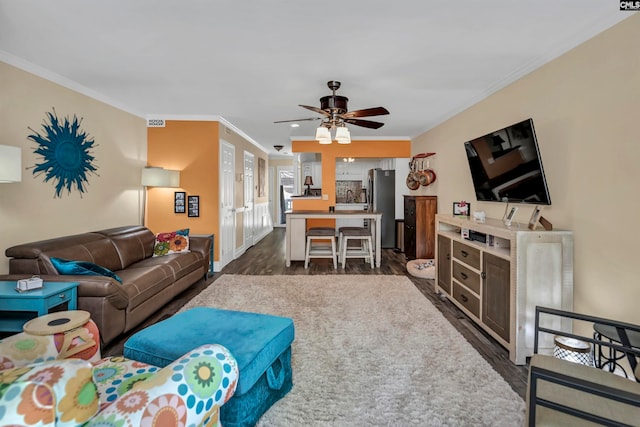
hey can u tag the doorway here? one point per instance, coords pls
(249, 195)
(227, 214)
(285, 184)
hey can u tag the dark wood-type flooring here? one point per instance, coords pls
(268, 258)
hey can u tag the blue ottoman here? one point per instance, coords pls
(261, 344)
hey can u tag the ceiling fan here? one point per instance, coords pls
(335, 113)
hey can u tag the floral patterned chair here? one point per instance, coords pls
(37, 388)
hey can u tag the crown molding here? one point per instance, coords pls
(208, 118)
(64, 82)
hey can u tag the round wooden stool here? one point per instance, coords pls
(73, 332)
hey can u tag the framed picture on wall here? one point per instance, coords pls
(179, 202)
(193, 204)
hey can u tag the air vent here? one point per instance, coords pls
(155, 123)
(227, 131)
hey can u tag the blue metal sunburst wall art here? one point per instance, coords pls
(66, 154)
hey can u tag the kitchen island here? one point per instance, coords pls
(295, 238)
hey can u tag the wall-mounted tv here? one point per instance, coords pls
(506, 166)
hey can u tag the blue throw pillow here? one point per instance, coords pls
(65, 266)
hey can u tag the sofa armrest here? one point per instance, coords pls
(200, 244)
(57, 393)
(560, 392)
(193, 388)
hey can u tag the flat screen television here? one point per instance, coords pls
(506, 166)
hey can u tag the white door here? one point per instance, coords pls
(227, 214)
(273, 193)
(248, 200)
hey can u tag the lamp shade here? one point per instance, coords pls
(10, 164)
(308, 180)
(160, 177)
(323, 135)
(342, 135)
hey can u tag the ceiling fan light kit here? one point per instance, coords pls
(323, 135)
(342, 135)
(336, 115)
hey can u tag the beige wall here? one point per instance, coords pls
(585, 108)
(28, 209)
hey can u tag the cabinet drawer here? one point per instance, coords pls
(467, 254)
(467, 299)
(59, 298)
(467, 277)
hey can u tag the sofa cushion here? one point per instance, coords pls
(142, 284)
(132, 243)
(84, 268)
(101, 251)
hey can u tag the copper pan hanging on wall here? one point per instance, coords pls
(419, 175)
(427, 177)
(412, 179)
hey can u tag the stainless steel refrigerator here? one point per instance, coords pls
(382, 198)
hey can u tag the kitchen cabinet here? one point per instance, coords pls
(350, 171)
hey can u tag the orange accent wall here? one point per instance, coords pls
(331, 152)
(192, 147)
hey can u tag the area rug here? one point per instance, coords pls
(370, 351)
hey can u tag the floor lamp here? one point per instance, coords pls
(157, 177)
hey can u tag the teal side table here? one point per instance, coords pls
(16, 308)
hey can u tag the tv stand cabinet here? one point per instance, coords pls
(499, 282)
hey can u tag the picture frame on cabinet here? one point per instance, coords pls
(179, 202)
(509, 217)
(462, 208)
(535, 216)
(194, 206)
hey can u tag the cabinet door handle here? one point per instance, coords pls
(464, 298)
(483, 275)
(464, 253)
(448, 257)
(61, 296)
(464, 276)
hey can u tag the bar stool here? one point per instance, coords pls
(321, 250)
(366, 245)
(341, 231)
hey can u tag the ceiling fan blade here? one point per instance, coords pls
(316, 109)
(364, 123)
(298, 120)
(367, 112)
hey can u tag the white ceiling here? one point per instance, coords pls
(252, 62)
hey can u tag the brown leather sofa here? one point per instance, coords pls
(148, 282)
